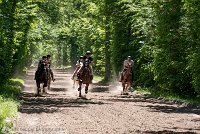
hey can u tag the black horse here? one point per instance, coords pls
(41, 76)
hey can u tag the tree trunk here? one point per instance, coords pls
(107, 49)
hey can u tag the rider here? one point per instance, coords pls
(79, 64)
(87, 58)
(128, 62)
(42, 61)
(48, 60)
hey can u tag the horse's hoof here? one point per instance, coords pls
(45, 93)
(122, 93)
(126, 93)
(38, 95)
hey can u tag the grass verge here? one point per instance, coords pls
(167, 95)
(98, 78)
(9, 104)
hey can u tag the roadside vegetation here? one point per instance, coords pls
(9, 104)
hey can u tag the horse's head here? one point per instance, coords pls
(44, 65)
(129, 69)
(86, 63)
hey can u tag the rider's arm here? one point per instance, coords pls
(132, 63)
(91, 61)
(125, 64)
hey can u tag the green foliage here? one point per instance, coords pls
(190, 33)
(161, 36)
(9, 104)
(8, 110)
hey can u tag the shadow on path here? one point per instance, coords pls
(156, 104)
(51, 103)
(168, 132)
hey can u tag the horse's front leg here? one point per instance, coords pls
(127, 87)
(80, 93)
(123, 85)
(45, 86)
(86, 88)
(38, 87)
(79, 88)
(74, 83)
(79, 85)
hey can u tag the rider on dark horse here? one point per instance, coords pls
(89, 59)
(42, 61)
(40, 76)
(127, 63)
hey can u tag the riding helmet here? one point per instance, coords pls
(88, 52)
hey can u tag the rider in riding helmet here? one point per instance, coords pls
(87, 58)
(49, 60)
(127, 63)
(42, 61)
(80, 61)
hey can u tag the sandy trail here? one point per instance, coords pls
(103, 111)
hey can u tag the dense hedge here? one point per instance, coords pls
(162, 36)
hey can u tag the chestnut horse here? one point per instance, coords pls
(84, 77)
(127, 79)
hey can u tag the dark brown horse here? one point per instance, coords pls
(127, 79)
(42, 77)
(84, 77)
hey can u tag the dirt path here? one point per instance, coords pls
(104, 111)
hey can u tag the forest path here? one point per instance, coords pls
(102, 111)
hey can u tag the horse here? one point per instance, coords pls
(84, 77)
(127, 79)
(41, 77)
